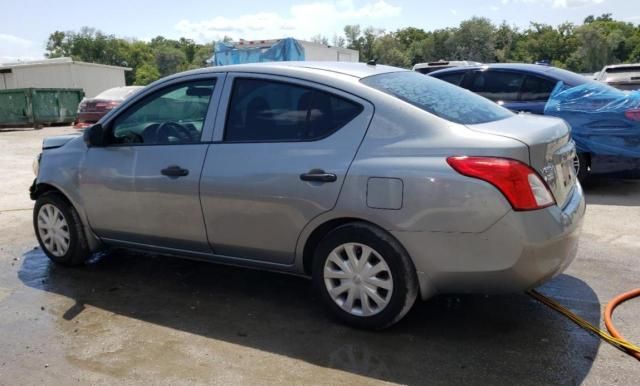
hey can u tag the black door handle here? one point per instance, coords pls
(174, 171)
(318, 175)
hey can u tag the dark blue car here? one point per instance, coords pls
(604, 120)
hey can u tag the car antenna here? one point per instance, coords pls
(372, 62)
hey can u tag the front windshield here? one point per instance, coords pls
(438, 97)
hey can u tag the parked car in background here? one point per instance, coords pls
(425, 68)
(90, 110)
(380, 183)
(621, 76)
(605, 125)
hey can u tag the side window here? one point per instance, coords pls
(265, 110)
(453, 78)
(536, 89)
(497, 85)
(174, 115)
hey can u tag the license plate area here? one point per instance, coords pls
(563, 160)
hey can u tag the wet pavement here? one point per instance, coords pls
(136, 318)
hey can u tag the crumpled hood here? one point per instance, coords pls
(58, 141)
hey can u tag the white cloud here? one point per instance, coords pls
(302, 21)
(557, 3)
(14, 48)
(574, 3)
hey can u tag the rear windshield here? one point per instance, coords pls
(622, 69)
(438, 97)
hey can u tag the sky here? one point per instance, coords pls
(25, 25)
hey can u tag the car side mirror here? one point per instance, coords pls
(94, 136)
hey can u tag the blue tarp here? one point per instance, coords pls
(284, 50)
(604, 120)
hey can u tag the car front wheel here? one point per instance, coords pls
(364, 276)
(59, 230)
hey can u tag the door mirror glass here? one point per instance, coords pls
(94, 136)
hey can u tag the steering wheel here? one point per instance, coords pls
(162, 132)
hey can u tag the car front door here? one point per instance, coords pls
(143, 186)
(280, 156)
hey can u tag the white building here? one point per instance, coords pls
(320, 52)
(312, 51)
(62, 73)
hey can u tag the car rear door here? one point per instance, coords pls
(281, 152)
(143, 188)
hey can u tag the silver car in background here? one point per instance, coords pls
(621, 76)
(380, 183)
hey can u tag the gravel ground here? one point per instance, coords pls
(128, 318)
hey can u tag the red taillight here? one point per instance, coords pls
(633, 114)
(520, 184)
(107, 105)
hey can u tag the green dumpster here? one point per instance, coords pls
(39, 106)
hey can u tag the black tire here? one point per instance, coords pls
(583, 169)
(78, 249)
(405, 282)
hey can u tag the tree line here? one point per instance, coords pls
(149, 61)
(586, 47)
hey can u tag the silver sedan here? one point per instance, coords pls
(379, 183)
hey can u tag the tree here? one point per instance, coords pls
(338, 41)
(57, 45)
(544, 42)
(474, 40)
(352, 35)
(407, 36)
(320, 39)
(422, 50)
(146, 74)
(367, 42)
(601, 42)
(388, 50)
(506, 38)
(169, 60)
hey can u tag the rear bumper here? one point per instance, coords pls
(520, 251)
(87, 119)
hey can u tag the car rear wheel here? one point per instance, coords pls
(59, 230)
(364, 276)
(581, 164)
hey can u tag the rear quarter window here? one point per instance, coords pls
(438, 97)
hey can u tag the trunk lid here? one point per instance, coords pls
(551, 150)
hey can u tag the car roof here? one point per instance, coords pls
(567, 77)
(622, 65)
(353, 69)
